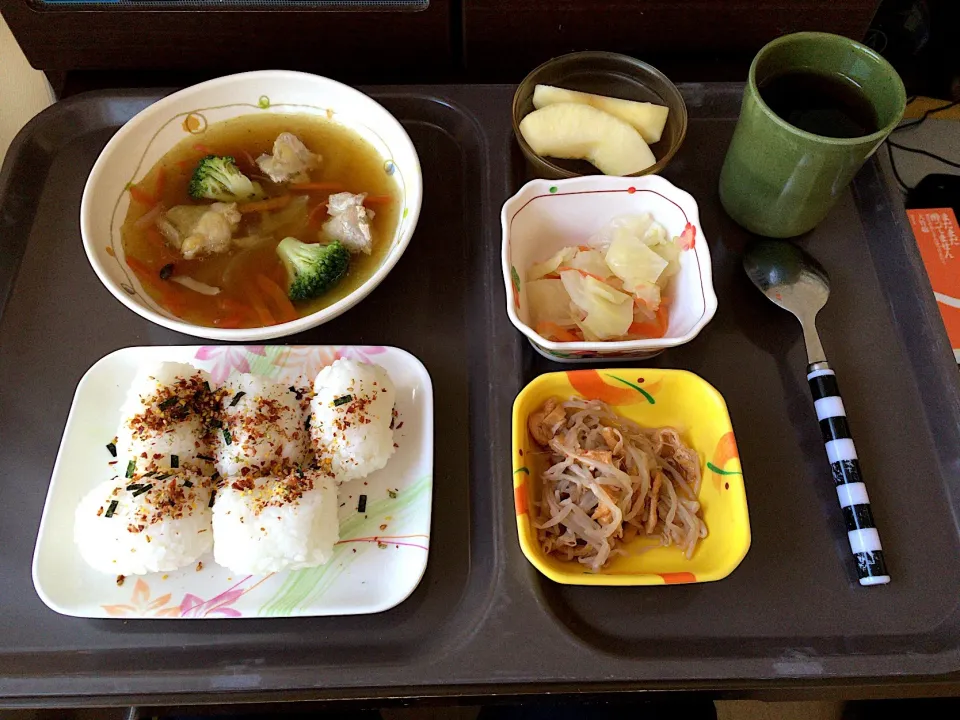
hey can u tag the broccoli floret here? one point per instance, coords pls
(218, 178)
(312, 269)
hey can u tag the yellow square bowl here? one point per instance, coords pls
(652, 398)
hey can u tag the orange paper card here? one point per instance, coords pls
(938, 237)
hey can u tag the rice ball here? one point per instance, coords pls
(148, 523)
(167, 417)
(263, 427)
(268, 524)
(351, 418)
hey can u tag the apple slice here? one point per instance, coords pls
(580, 132)
(648, 119)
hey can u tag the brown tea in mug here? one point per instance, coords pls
(823, 104)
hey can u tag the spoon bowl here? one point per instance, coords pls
(788, 276)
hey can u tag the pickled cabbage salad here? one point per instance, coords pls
(609, 289)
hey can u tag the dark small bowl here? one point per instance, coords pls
(602, 73)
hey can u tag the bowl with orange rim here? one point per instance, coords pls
(651, 397)
(545, 216)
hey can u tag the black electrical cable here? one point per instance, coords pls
(893, 166)
(919, 151)
(914, 123)
(926, 114)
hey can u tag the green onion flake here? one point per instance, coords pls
(227, 438)
(112, 448)
(174, 461)
(131, 468)
(236, 398)
(166, 271)
(142, 489)
(342, 400)
(112, 509)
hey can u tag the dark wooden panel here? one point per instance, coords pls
(695, 39)
(349, 45)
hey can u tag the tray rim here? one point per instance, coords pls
(928, 672)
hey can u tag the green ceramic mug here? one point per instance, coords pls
(780, 181)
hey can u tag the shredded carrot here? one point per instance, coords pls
(169, 297)
(231, 322)
(263, 205)
(584, 248)
(183, 164)
(377, 199)
(655, 329)
(140, 267)
(278, 298)
(141, 196)
(261, 309)
(202, 149)
(322, 186)
(553, 331)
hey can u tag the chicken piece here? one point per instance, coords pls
(654, 501)
(536, 423)
(213, 232)
(291, 160)
(350, 222)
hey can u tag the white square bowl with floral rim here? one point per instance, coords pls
(144, 139)
(382, 552)
(548, 215)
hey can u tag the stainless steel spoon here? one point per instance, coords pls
(792, 279)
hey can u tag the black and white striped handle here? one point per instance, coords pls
(852, 493)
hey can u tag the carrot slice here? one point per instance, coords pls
(552, 330)
(276, 203)
(377, 199)
(321, 186)
(169, 297)
(260, 308)
(278, 298)
(140, 267)
(231, 322)
(141, 196)
(655, 329)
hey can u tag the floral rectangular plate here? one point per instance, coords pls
(382, 553)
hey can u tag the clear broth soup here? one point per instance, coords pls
(252, 279)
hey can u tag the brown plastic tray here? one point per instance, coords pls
(483, 620)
